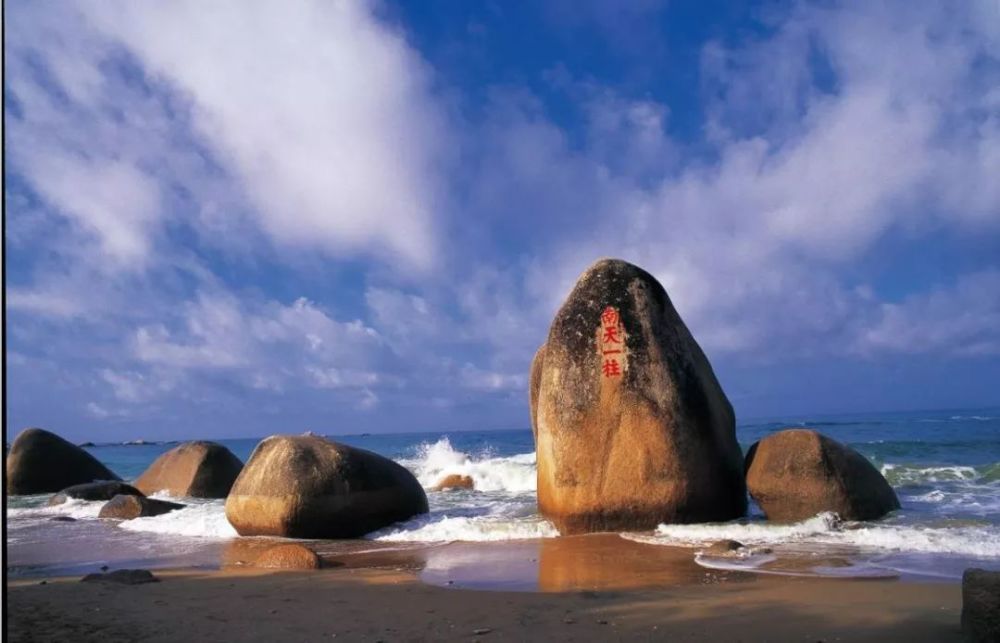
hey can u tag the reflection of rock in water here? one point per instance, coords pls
(606, 561)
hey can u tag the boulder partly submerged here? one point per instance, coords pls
(311, 487)
(129, 507)
(94, 491)
(42, 462)
(453, 482)
(632, 428)
(797, 473)
(194, 469)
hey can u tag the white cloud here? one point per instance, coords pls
(323, 114)
(479, 379)
(263, 340)
(963, 319)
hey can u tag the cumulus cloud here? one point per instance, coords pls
(263, 342)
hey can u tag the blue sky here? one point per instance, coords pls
(242, 218)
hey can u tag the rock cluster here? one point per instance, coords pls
(632, 429)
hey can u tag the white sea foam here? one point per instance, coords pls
(901, 474)
(514, 474)
(474, 528)
(202, 520)
(73, 507)
(755, 564)
(826, 529)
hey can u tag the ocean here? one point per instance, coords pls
(944, 466)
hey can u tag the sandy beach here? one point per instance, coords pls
(574, 589)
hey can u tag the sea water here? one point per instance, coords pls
(944, 466)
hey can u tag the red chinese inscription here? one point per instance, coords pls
(609, 317)
(611, 343)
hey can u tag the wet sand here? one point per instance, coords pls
(582, 588)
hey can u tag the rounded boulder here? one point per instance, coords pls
(632, 429)
(129, 507)
(290, 556)
(311, 487)
(42, 462)
(194, 470)
(797, 473)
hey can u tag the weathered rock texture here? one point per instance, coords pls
(796, 473)
(291, 556)
(630, 439)
(535, 385)
(194, 470)
(42, 462)
(455, 481)
(310, 487)
(981, 605)
(94, 491)
(129, 507)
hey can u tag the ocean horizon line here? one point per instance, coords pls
(791, 420)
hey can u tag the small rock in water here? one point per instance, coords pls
(290, 556)
(62, 519)
(128, 507)
(482, 630)
(122, 577)
(454, 482)
(724, 547)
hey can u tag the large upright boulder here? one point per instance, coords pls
(310, 487)
(796, 473)
(193, 469)
(42, 462)
(632, 428)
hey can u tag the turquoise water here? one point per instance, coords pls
(944, 465)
